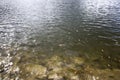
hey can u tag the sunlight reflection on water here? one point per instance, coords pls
(82, 26)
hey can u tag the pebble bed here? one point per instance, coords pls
(25, 66)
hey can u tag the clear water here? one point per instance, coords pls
(75, 27)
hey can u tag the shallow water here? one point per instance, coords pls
(87, 28)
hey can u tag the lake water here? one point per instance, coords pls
(89, 28)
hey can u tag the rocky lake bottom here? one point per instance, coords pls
(40, 66)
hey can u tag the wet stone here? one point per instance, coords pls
(55, 77)
(75, 77)
(1, 67)
(78, 60)
(34, 70)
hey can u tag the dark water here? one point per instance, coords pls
(82, 27)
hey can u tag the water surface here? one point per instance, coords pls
(90, 28)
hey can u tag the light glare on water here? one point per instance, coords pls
(87, 28)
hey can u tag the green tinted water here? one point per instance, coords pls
(84, 28)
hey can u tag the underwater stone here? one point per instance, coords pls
(55, 77)
(78, 60)
(36, 70)
(75, 77)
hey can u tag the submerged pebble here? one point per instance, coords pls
(1, 67)
(55, 77)
(34, 70)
